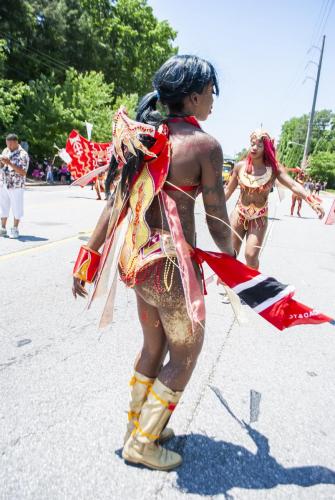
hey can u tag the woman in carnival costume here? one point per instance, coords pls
(256, 176)
(148, 231)
(300, 179)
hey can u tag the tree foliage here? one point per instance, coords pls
(51, 110)
(321, 159)
(66, 61)
(293, 135)
(241, 155)
(122, 39)
(11, 96)
(322, 166)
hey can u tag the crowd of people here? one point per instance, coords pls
(47, 171)
(314, 186)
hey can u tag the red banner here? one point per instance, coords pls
(86, 155)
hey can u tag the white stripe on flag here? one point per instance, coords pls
(269, 302)
(248, 284)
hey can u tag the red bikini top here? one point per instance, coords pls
(168, 187)
(193, 121)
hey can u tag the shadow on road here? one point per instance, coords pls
(297, 217)
(215, 467)
(24, 238)
(86, 198)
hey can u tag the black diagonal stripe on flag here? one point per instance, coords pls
(278, 308)
(259, 293)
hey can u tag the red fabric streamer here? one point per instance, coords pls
(330, 219)
(86, 155)
(266, 296)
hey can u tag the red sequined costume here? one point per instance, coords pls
(249, 183)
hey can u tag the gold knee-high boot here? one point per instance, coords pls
(140, 385)
(143, 447)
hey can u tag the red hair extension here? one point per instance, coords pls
(269, 156)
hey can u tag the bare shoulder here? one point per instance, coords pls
(280, 168)
(209, 149)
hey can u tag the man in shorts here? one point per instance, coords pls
(14, 163)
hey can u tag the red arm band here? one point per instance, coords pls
(87, 264)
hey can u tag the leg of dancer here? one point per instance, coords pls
(255, 237)
(294, 199)
(299, 207)
(164, 320)
(238, 227)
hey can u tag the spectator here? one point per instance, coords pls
(14, 163)
(49, 173)
(38, 172)
(55, 173)
(317, 187)
(311, 186)
(63, 173)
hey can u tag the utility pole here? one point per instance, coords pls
(311, 117)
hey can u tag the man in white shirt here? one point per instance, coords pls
(14, 163)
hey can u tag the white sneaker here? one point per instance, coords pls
(3, 231)
(14, 233)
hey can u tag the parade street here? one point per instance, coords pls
(256, 421)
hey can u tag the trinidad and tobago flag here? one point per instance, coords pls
(266, 296)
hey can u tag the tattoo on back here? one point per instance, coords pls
(216, 157)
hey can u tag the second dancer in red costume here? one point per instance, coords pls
(256, 176)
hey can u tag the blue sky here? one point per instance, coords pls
(260, 51)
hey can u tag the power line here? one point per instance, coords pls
(319, 28)
(323, 27)
(48, 60)
(41, 62)
(37, 51)
(317, 23)
(294, 83)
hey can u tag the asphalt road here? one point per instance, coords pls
(64, 384)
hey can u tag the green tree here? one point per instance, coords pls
(51, 110)
(137, 45)
(322, 166)
(241, 155)
(11, 96)
(122, 39)
(293, 135)
(292, 138)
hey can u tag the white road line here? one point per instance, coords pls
(44, 246)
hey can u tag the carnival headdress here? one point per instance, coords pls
(260, 134)
(126, 132)
(269, 153)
